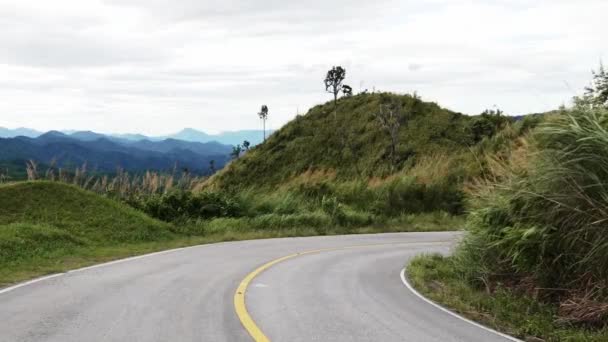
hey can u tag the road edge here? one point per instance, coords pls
(452, 313)
(104, 264)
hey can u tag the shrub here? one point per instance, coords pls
(184, 205)
(407, 195)
(316, 220)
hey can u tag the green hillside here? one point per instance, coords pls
(49, 226)
(81, 214)
(347, 141)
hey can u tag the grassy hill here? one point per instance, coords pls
(44, 224)
(340, 153)
(346, 141)
(81, 214)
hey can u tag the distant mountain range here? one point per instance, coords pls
(107, 153)
(188, 134)
(21, 131)
(231, 138)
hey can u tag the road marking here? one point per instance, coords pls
(239, 296)
(419, 295)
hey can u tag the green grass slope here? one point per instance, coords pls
(84, 215)
(49, 226)
(347, 140)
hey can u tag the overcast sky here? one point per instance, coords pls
(156, 66)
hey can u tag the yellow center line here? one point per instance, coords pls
(239, 296)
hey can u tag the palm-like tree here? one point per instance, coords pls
(263, 114)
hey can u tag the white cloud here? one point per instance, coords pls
(155, 66)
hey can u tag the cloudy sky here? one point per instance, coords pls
(156, 66)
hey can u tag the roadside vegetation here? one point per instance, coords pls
(505, 309)
(48, 227)
(535, 260)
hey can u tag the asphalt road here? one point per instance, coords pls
(353, 294)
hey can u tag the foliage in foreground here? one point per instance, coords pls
(505, 309)
(541, 225)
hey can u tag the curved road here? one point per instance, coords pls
(352, 294)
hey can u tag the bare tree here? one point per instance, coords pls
(50, 171)
(263, 114)
(32, 170)
(389, 119)
(333, 81)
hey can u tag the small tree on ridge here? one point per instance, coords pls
(333, 81)
(263, 114)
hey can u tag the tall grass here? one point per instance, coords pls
(122, 185)
(540, 223)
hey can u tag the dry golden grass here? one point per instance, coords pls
(432, 167)
(123, 184)
(428, 169)
(501, 167)
(309, 177)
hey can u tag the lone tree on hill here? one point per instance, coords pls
(333, 81)
(263, 114)
(389, 119)
(246, 145)
(212, 166)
